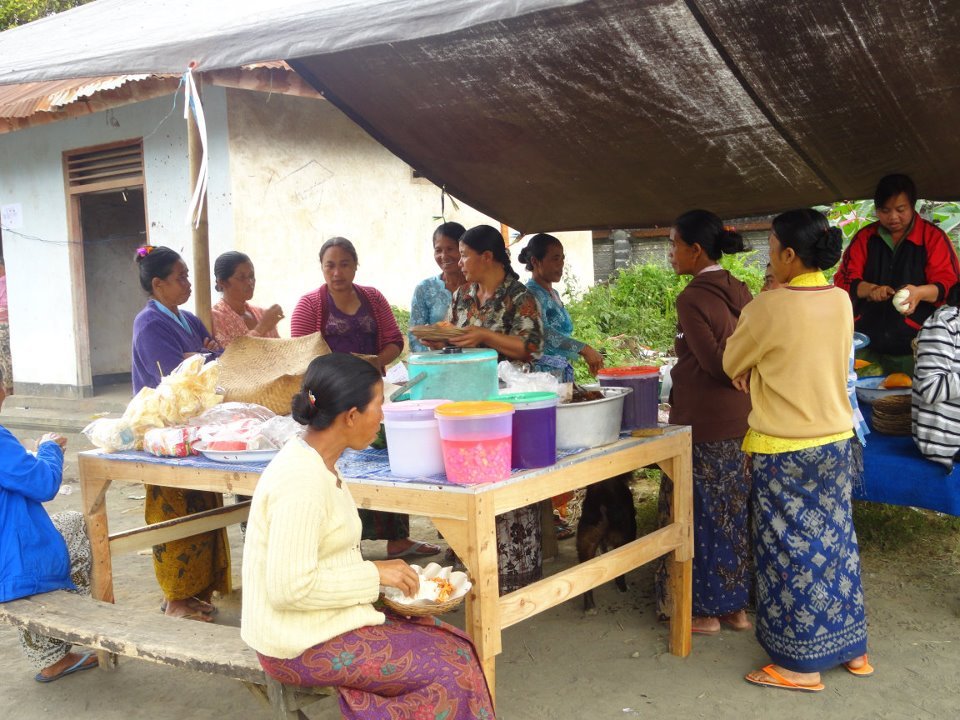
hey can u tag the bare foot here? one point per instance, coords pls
(737, 620)
(69, 660)
(705, 625)
(183, 609)
(857, 663)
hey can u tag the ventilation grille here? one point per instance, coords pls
(105, 168)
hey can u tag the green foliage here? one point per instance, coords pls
(635, 312)
(403, 321)
(20, 12)
(851, 216)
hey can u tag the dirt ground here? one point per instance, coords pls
(560, 664)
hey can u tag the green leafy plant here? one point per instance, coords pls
(632, 317)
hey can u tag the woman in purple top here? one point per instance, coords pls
(163, 334)
(188, 570)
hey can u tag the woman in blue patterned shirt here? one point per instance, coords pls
(544, 257)
(431, 298)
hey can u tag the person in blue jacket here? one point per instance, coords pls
(39, 553)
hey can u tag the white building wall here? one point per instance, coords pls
(43, 342)
(303, 172)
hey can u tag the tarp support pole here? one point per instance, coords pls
(201, 235)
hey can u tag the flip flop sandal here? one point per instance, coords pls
(775, 680)
(417, 549)
(865, 670)
(78, 666)
(703, 631)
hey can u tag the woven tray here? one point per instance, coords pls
(436, 332)
(268, 371)
(891, 415)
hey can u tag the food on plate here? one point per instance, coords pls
(444, 589)
(896, 380)
(861, 364)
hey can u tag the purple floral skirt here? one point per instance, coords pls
(407, 668)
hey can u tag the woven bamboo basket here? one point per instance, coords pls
(422, 609)
(268, 371)
(891, 415)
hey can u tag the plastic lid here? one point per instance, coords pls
(478, 408)
(412, 406)
(542, 399)
(437, 357)
(628, 371)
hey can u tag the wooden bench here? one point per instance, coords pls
(204, 647)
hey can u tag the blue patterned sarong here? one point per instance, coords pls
(810, 611)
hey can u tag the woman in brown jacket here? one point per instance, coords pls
(702, 397)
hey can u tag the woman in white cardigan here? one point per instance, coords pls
(307, 592)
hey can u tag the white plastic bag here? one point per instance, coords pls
(517, 380)
(111, 434)
(280, 428)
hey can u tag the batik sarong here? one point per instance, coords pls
(417, 668)
(810, 611)
(43, 651)
(722, 570)
(195, 566)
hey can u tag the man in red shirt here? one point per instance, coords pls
(900, 250)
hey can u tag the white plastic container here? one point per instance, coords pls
(413, 438)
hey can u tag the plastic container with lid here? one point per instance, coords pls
(455, 374)
(413, 438)
(476, 440)
(534, 428)
(640, 406)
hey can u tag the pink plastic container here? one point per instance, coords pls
(476, 438)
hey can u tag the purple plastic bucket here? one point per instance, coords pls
(534, 429)
(639, 407)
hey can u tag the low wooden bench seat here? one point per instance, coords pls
(204, 647)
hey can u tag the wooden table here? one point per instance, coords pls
(464, 514)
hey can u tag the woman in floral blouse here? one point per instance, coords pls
(494, 306)
(500, 313)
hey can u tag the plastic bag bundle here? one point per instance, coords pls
(170, 442)
(186, 392)
(280, 428)
(230, 411)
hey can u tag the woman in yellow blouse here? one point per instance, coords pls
(791, 352)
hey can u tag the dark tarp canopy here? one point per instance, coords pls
(623, 113)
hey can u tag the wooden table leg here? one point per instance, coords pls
(94, 495)
(483, 602)
(94, 492)
(680, 561)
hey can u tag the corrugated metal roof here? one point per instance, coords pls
(22, 101)
(28, 99)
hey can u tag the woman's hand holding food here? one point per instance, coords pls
(52, 437)
(593, 359)
(397, 574)
(271, 316)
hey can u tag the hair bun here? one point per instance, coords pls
(828, 247)
(524, 255)
(730, 241)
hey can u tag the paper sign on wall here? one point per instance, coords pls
(11, 216)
